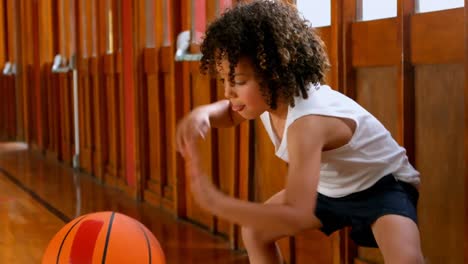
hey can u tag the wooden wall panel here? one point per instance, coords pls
(153, 115)
(65, 91)
(113, 168)
(439, 158)
(52, 114)
(374, 43)
(2, 107)
(120, 117)
(325, 34)
(30, 87)
(86, 115)
(437, 37)
(172, 105)
(270, 171)
(100, 152)
(10, 107)
(11, 29)
(161, 112)
(377, 94)
(314, 245)
(227, 174)
(46, 31)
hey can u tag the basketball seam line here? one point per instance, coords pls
(148, 243)
(107, 237)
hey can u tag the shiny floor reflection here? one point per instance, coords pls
(37, 197)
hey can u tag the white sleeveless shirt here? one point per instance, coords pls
(371, 153)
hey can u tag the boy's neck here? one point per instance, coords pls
(281, 112)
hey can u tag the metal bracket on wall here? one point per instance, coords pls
(183, 44)
(60, 64)
(9, 69)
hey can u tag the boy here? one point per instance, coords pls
(344, 169)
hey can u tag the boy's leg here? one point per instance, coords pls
(261, 245)
(398, 239)
(261, 248)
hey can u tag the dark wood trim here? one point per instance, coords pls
(437, 37)
(351, 10)
(466, 130)
(37, 75)
(3, 31)
(336, 42)
(7, 124)
(180, 21)
(405, 81)
(21, 95)
(344, 14)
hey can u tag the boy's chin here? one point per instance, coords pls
(249, 116)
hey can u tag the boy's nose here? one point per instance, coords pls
(228, 92)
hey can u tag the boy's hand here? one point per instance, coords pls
(204, 192)
(191, 128)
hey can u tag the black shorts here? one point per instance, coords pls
(360, 210)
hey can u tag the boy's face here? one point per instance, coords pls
(244, 94)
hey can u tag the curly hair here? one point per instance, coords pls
(286, 52)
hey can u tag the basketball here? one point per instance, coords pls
(104, 237)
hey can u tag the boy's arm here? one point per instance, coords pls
(306, 138)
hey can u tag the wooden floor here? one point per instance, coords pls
(38, 196)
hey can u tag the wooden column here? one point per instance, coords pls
(21, 115)
(36, 81)
(180, 14)
(344, 13)
(128, 59)
(45, 60)
(405, 81)
(2, 35)
(466, 131)
(3, 60)
(23, 56)
(14, 109)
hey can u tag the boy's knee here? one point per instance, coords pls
(250, 235)
(407, 257)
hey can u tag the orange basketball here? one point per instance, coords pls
(104, 237)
